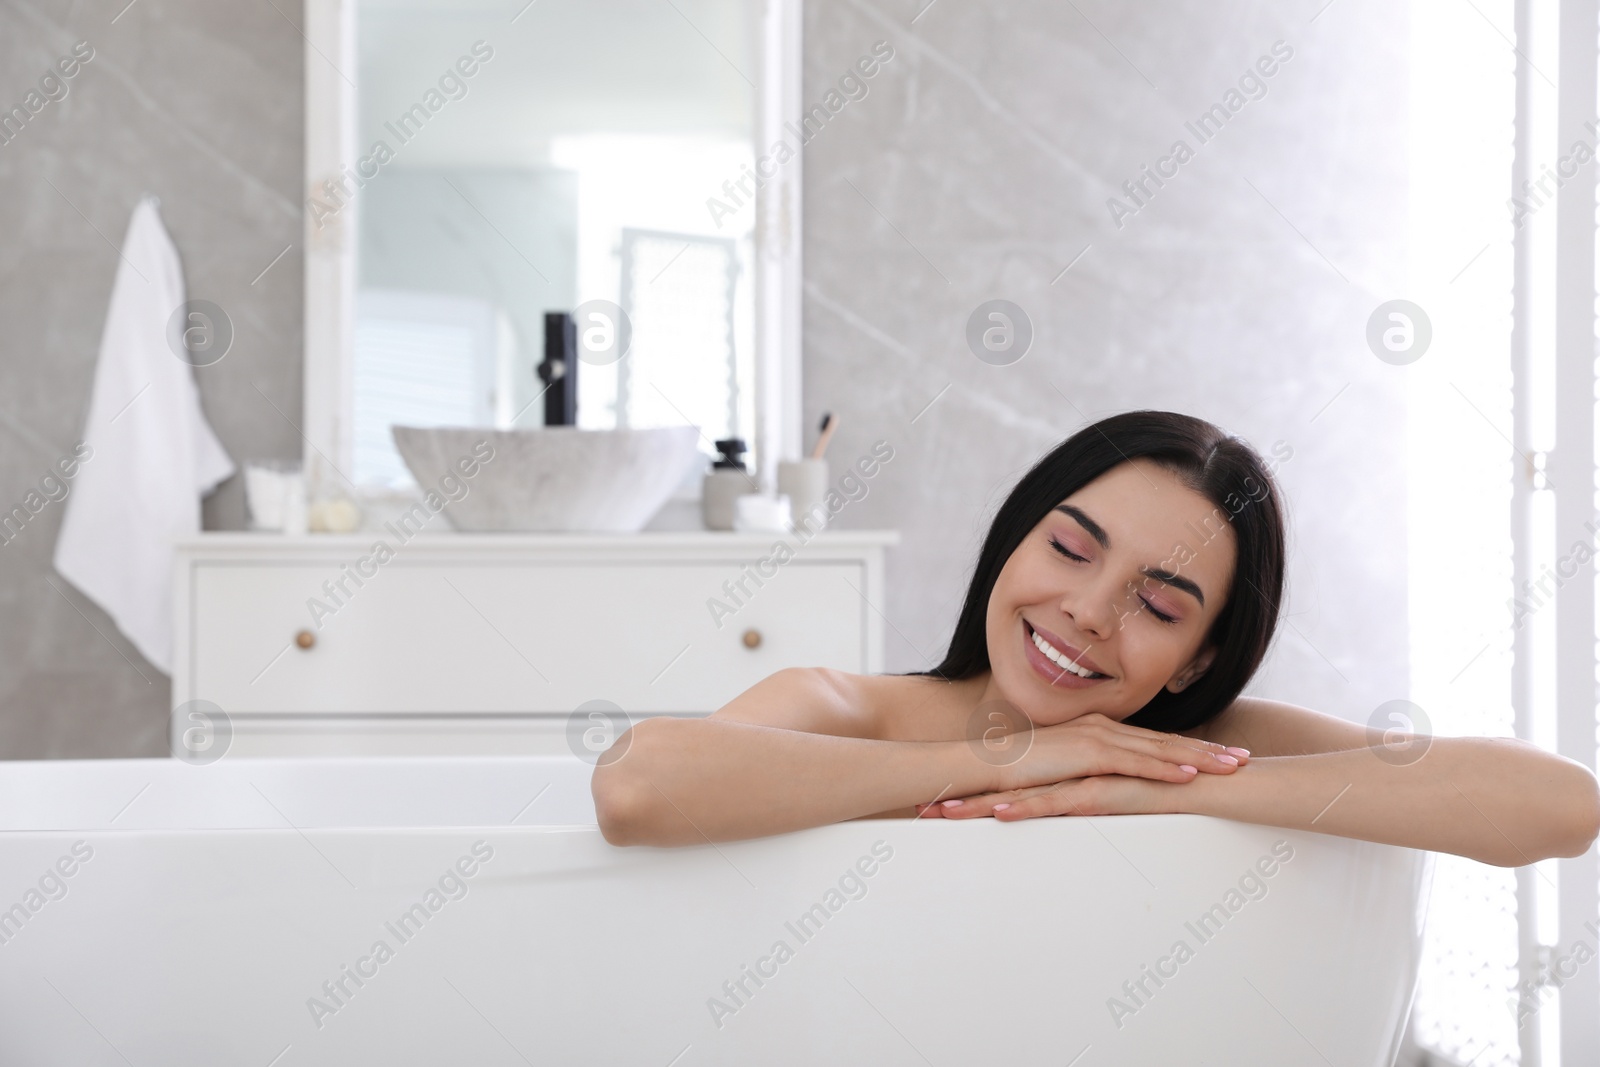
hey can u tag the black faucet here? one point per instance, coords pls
(559, 371)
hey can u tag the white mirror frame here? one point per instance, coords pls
(330, 275)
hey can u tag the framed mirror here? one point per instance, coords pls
(475, 170)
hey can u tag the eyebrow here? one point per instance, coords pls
(1096, 531)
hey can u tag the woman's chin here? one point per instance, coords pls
(1069, 705)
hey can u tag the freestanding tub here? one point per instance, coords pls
(277, 913)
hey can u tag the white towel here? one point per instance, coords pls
(154, 455)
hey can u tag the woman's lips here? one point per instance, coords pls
(1076, 656)
(1047, 669)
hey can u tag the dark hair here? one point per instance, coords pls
(1220, 467)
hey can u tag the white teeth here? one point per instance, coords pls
(1056, 657)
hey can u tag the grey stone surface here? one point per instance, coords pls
(978, 167)
(201, 104)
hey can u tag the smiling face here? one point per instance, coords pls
(1149, 550)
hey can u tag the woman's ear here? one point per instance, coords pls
(1197, 666)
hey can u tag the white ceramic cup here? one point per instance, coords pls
(805, 482)
(267, 494)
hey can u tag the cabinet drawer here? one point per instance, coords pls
(420, 636)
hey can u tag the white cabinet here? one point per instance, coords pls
(460, 643)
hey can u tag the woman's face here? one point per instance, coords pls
(1151, 550)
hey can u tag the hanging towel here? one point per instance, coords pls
(154, 455)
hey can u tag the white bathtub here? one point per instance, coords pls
(206, 908)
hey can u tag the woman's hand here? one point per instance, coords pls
(1093, 745)
(1105, 794)
(1119, 770)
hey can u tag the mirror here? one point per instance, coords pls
(479, 169)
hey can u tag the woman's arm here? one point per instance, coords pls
(1276, 728)
(797, 749)
(1498, 800)
(807, 747)
(689, 781)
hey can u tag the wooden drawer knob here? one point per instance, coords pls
(305, 638)
(752, 639)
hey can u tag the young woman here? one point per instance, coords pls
(1125, 594)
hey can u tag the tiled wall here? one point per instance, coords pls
(200, 103)
(979, 166)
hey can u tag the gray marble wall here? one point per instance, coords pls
(200, 103)
(979, 166)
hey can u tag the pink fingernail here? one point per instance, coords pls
(1239, 751)
(1186, 767)
(1001, 807)
(951, 803)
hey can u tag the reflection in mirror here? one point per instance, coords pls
(513, 172)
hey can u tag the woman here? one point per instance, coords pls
(1125, 594)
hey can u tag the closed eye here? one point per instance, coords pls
(1059, 547)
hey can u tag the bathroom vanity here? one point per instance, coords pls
(465, 644)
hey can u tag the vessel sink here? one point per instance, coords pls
(555, 478)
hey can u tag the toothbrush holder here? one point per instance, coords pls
(805, 482)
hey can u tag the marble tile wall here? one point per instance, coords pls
(979, 166)
(199, 103)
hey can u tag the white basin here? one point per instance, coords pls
(553, 479)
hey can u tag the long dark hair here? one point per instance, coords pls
(1220, 467)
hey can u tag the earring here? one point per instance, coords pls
(1180, 683)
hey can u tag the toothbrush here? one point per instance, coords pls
(829, 424)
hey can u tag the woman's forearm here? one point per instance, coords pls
(684, 781)
(1496, 800)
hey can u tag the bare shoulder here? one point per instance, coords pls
(917, 707)
(1278, 728)
(817, 700)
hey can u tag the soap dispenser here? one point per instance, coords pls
(727, 479)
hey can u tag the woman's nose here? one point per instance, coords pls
(1094, 611)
